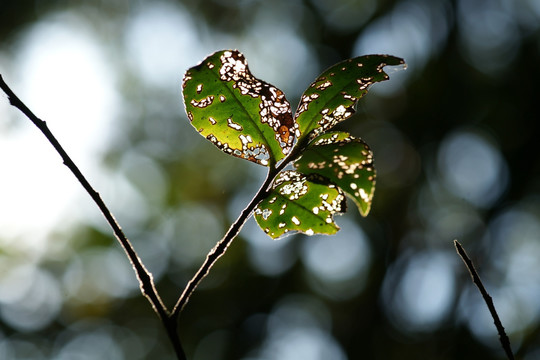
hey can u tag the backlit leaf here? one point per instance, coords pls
(346, 161)
(300, 203)
(331, 98)
(240, 114)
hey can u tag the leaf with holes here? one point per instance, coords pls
(240, 114)
(300, 203)
(346, 161)
(331, 98)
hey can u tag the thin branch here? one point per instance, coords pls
(145, 278)
(221, 247)
(489, 301)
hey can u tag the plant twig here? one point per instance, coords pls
(234, 230)
(145, 278)
(489, 301)
(222, 245)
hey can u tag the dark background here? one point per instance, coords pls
(456, 150)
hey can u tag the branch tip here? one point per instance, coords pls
(505, 341)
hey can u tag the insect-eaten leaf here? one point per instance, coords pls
(300, 203)
(331, 98)
(344, 160)
(240, 114)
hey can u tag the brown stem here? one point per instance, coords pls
(145, 278)
(489, 301)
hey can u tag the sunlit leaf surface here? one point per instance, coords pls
(346, 161)
(240, 114)
(331, 98)
(300, 203)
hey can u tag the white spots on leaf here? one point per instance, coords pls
(336, 205)
(324, 85)
(234, 66)
(364, 195)
(353, 165)
(318, 165)
(318, 80)
(381, 66)
(305, 101)
(266, 213)
(328, 121)
(258, 154)
(340, 111)
(187, 77)
(290, 212)
(234, 125)
(327, 140)
(245, 139)
(207, 101)
(274, 109)
(296, 188)
(364, 82)
(222, 146)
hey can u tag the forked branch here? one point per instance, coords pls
(145, 278)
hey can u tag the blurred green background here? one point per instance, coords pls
(455, 140)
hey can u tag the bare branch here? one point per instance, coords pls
(221, 246)
(145, 278)
(235, 228)
(489, 301)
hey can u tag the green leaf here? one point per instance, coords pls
(240, 114)
(331, 98)
(346, 161)
(300, 203)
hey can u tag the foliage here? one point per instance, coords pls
(248, 118)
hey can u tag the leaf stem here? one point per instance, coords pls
(221, 247)
(146, 281)
(489, 301)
